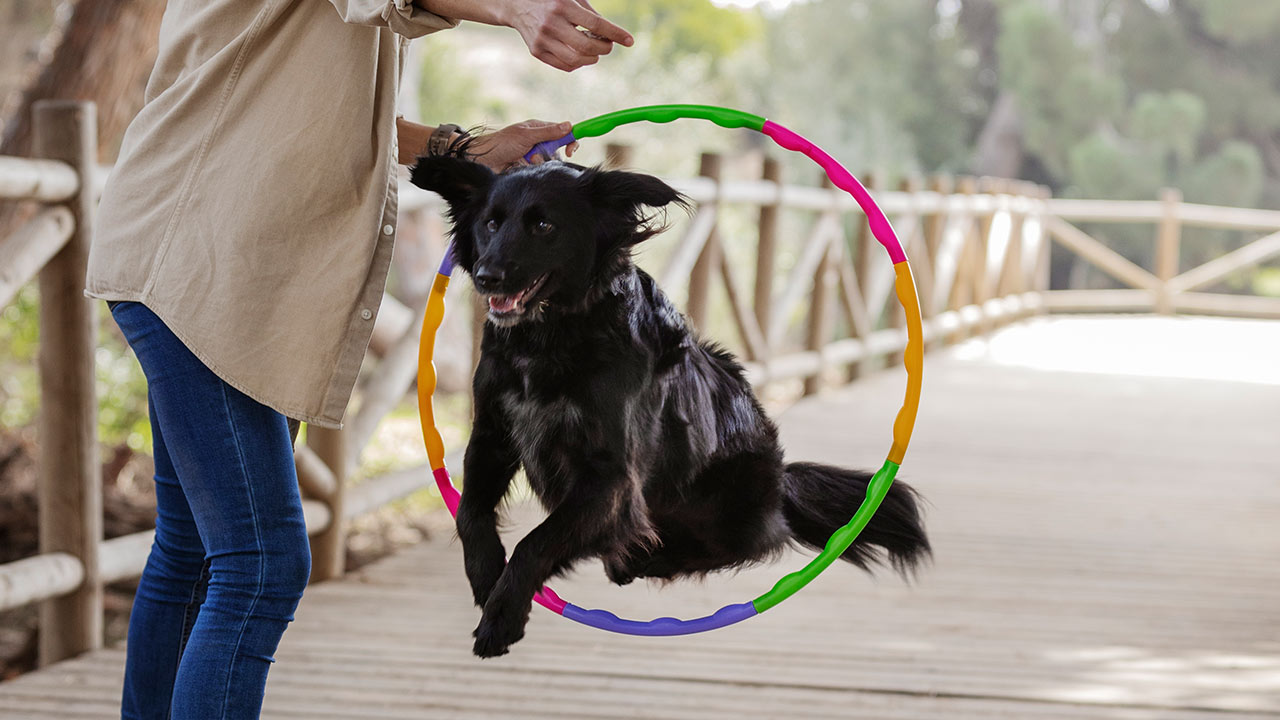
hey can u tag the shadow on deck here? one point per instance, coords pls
(1104, 495)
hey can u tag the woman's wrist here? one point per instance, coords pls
(489, 13)
(411, 140)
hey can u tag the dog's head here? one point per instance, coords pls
(545, 235)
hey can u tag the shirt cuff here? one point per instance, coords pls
(406, 19)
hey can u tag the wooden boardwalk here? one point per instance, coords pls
(1107, 546)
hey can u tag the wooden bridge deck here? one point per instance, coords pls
(1107, 546)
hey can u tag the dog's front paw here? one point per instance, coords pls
(495, 638)
(502, 624)
(619, 571)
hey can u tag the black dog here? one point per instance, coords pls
(645, 445)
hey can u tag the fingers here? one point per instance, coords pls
(586, 16)
(536, 131)
(507, 147)
(567, 34)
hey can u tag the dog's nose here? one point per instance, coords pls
(488, 277)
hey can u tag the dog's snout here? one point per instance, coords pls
(489, 276)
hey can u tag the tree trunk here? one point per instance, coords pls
(106, 54)
(1000, 148)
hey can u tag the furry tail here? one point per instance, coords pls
(819, 499)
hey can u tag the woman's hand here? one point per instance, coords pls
(506, 147)
(565, 34)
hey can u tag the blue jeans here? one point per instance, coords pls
(230, 558)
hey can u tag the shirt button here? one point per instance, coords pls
(366, 313)
(387, 229)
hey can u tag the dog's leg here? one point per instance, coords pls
(490, 463)
(583, 522)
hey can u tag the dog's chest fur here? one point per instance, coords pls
(555, 380)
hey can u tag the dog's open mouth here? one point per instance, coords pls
(513, 306)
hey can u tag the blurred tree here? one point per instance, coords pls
(889, 85)
(105, 54)
(680, 28)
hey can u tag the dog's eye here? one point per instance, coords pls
(491, 226)
(542, 227)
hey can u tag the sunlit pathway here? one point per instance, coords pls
(1105, 508)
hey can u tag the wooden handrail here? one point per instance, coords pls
(43, 180)
(24, 253)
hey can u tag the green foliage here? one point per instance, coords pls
(121, 386)
(19, 341)
(1061, 94)
(878, 84)
(679, 29)
(1169, 122)
(1231, 176)
(447, 88)
(1239, 21)
(1104, 166)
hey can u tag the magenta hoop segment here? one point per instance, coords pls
(844, 180)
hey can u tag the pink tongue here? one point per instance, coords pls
(502, 303)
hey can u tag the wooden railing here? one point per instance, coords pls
(818, 309)
(1164, 288)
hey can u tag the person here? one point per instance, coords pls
(243, 244)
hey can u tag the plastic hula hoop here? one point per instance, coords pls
(902, 426)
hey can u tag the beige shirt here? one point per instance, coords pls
(253, 206)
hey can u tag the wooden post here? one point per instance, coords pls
(935, 227)
(1009, 279)
(864, 246)
(1041, 277)
(328, 548)
(70, 486)
(767, 249)
(616, 156)
(1168, 247)
(821, 310)
(700, 276)
(962, 290)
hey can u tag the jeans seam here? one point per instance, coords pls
(187, 624)
(257, 532)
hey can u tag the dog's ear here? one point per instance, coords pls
(627, 194)
(624, 191)
(460, 182)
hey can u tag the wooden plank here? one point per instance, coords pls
(385, 388)
(767, 248)
(1168, 247)
(31, 247)
(1099, 300)
(1229, 305)
(315, 477)
(1219, 268)
(44, 180)
(329, 548)
(1103, 257)
(800, 280)
(698, 304)
(1076, 210)
(124, 557)
(675, 275)
(33, 579)
(757, 347)
(1065, 583)
(69, 493)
